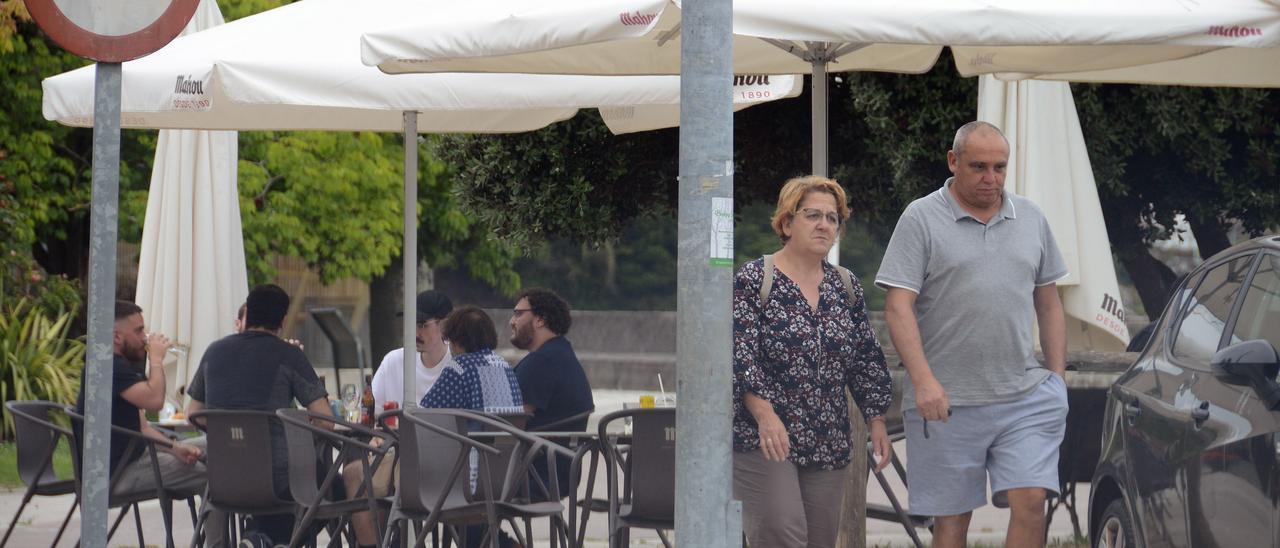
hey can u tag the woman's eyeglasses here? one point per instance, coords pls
(816, 215)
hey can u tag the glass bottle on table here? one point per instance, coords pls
(366, 402)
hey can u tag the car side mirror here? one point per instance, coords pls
(1255, 361)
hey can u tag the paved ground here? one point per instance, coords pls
(40, 520)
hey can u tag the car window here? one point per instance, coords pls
(1260, 313)
(1205, 316)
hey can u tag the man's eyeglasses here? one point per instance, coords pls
(816, 215)
(426, 323)
(516, 312)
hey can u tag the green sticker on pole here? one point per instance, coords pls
(722, 232)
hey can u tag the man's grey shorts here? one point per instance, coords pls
(1015, 442)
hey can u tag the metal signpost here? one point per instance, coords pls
(111, 33)
(706, 515)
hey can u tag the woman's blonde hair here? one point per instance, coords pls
(794, 191)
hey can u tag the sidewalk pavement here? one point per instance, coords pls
(42, 516)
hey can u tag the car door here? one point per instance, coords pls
(1233, 482)
(1160, 415)
(1152, 435)
(1153, 432)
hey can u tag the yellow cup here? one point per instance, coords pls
(646, 402)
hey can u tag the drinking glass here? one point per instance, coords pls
(351, 402)
(626, 421)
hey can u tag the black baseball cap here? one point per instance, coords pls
(432, 305)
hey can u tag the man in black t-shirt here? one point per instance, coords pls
(552, 380)
(256, 369)
(134, 391)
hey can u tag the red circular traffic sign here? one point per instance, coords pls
(112, 48)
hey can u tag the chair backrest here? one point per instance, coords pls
(77, 445)
(652, 464)
(496, 466)
(36, 436)
(650, 467)
(428, 460)
(302, 457)
(240, 457)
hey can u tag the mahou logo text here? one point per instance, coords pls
(184, 84)
(636, 19)
(1234, 31)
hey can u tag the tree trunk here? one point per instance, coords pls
(1152, 278)
(385, 300)
(853, 521)
(610, 267)
(1211, 236)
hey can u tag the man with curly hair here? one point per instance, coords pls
(552, 380)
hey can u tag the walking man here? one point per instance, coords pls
(968, 270)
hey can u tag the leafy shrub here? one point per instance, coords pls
(37, 359)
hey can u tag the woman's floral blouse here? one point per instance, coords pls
(801, 360)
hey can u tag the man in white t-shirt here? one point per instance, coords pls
(388, 385)
(388, 381)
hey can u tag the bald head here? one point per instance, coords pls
(962, 135)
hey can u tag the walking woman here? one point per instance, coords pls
(800, 337)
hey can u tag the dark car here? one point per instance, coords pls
(1191, 435)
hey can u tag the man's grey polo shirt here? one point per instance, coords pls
(974, 285)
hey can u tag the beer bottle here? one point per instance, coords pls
(366, 401)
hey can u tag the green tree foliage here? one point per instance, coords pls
(636, 271)
(43, 167)
(21, 277)
(329, 198)
(1211, 154)
(332, 199)
(235, 9)
(907, 122)
(572, 178)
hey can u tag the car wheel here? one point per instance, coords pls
(1117, 529)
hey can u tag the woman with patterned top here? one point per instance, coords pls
(800, 337)
(477, 378)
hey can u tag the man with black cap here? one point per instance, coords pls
(256, 369)
(388, 386)
(388, 380)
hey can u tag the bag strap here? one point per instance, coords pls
(847, 278)
(766, 286)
